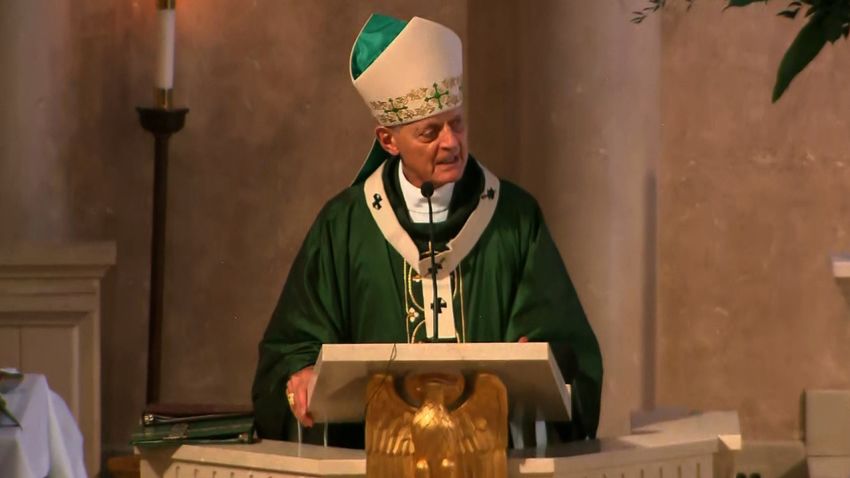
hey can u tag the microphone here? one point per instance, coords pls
(427, 190)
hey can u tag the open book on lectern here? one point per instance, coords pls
(528, 370)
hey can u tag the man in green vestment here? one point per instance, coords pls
(362, 276)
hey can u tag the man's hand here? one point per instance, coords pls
(523, 339)
(296, 394)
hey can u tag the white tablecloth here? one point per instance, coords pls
(49, 443)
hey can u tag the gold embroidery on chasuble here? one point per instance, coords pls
(417, 303)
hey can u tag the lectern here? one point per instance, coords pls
(528, 370)
(436, 409)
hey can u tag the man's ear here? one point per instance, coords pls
(386, 140)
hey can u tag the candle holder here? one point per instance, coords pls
(162, 123)
(162, 97)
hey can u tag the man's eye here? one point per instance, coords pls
(428, 134)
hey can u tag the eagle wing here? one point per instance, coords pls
(389, 447)
(483, 428)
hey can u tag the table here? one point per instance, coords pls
(49, 443)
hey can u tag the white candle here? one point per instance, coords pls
(165, 55)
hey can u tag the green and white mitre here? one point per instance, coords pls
(405, 72)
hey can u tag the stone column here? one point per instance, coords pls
(565, 100)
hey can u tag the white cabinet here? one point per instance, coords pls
(50, 324)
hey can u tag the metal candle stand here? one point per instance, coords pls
(162, 123)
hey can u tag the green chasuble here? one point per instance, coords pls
(356, 280)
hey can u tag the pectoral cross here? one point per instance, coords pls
(441, 304)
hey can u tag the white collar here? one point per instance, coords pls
(417, 205)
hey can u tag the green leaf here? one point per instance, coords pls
(742, 3)
(802, 51)
(836, 21)
(792, 14)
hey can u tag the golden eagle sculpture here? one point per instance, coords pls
(439, 439)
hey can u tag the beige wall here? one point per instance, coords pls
(567, 98)
(753, 198)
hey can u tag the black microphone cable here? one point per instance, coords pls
(427, 190)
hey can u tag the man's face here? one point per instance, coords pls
(432, 149)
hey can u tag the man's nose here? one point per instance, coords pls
(448, 138)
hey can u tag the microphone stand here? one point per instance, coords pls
(427, 191)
